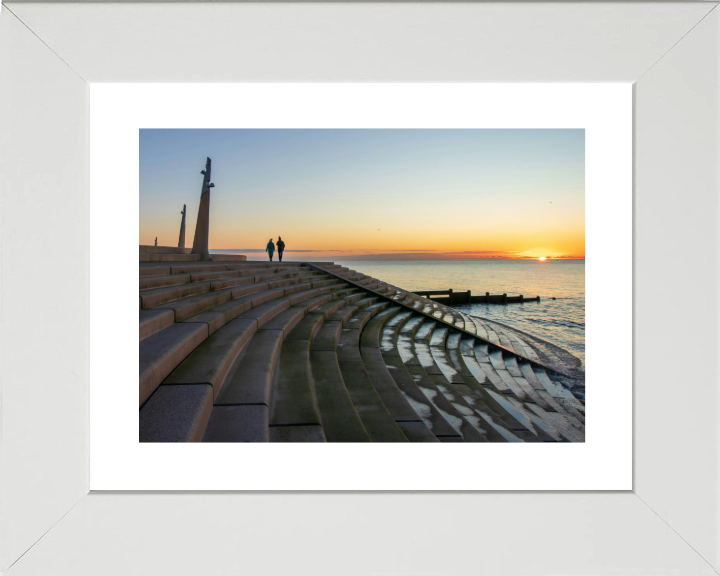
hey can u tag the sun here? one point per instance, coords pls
(542, 258)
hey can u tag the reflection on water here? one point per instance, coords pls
(560, 321)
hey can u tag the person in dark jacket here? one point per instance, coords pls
(280, 247)
(270, 249)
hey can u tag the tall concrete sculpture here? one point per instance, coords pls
(155, 240)
(181, 241)
(202, 228)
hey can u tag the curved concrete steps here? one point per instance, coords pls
(397, 353)
(198, 316)
(315, 352)
(396, 404)
(512, 343)
(378, 422)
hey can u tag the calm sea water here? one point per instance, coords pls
(560, 321)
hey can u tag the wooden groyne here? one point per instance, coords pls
(452, 297)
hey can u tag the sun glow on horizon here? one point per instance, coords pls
(542, 258)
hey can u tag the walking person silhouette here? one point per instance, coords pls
(270, 248)
(280, 247)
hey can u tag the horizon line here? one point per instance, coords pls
(406, 252)
(409, 258)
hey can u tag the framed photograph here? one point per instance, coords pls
(576, 133)
(264, 350)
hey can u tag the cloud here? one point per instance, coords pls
(392, 256)
(429, 256)
(416, 256)
(393, 250)
(482, 252)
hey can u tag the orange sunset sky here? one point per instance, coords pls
(371, 194)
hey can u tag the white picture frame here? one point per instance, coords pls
(603, 461)
(49, 523)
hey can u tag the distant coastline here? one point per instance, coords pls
(328, 255)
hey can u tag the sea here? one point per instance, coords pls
(560, 321)
(559, 317)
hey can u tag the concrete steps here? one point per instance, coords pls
(568, 400)
(424, 370)
(569, 415)
(395, 403)
(378, 333)
(472, 392)
(479, 395)
(162, 276)
(174, 254)
(231, 326)
(161, 352)
(452, 386)
(147, 282)
(228, 257)
(315, 352)
(294, 415)
(169, 257)
(397, 353)
(340, 420)
(152, 321)
(506, 391)
(379, 424)
(149, 249)
(157, 296)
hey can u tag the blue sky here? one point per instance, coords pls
(438, 191)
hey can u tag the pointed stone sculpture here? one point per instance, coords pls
(155, 240)
(181, 241)
(202, 228)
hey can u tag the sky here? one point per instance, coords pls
(420, 194)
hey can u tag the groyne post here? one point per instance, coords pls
(469, 301)
(522, 300)
(450, 292)
(504, 297)
(487, 297)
